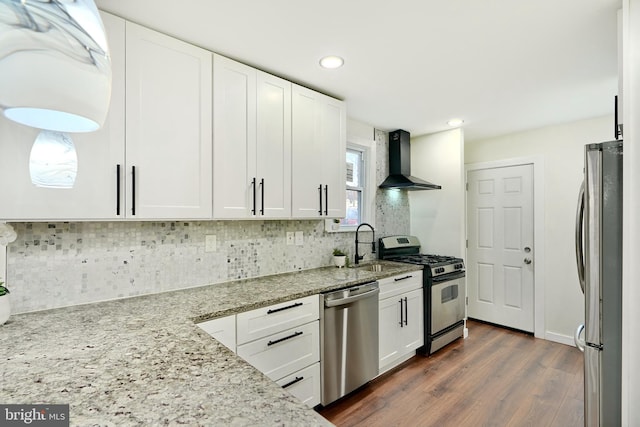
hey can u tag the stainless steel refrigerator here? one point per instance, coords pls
(599, 258)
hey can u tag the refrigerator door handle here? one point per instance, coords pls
(580, 237)
(576, 338)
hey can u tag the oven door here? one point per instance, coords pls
(447, 301)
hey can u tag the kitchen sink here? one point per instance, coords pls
(370, 267)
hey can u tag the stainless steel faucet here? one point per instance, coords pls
(373, 243)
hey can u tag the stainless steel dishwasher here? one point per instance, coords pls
(349, 340)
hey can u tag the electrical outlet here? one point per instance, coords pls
(290, 238)
(299, 238)
(210, 243)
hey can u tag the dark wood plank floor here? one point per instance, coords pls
(496, 377)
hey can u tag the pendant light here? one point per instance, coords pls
(54, 63)
(53, 162)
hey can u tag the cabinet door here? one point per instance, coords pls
(413, 331)
(304, 384)
(273, 154)
(307, 177)
(168, 111)
(265, 321)
(94, 193)
(333, 143)
(389, 339)
(318, 162)
(234, 139)
(285, 352)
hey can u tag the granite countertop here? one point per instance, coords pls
(143, 361)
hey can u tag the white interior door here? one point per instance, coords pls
(500, 252)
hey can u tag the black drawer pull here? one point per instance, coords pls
(402, 278)
(292, 382)
(275, 310)
(406, 310)
(295, 334)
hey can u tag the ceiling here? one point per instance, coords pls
(501, 65)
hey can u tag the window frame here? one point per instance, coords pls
(368, 213)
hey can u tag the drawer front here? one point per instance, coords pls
(223, 329)
(399, 284)
(262, 322)
(304, 384)
(284, 353)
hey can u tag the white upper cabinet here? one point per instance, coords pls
(168, 127)
(318, 155)
(273, 168)
(190, 135)
(234, 138)
(252, 142)
(94, 195)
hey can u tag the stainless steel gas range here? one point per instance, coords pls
(443, 289)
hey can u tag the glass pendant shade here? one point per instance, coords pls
(53, 162)
(54, 64)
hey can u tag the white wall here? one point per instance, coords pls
(562, 150)
(359, 130)
(437, 216)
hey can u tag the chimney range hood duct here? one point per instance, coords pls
(400, 165)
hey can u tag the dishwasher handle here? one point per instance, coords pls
(348, 300)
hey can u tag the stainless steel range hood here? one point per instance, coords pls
(400, 165)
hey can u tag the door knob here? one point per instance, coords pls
(527, 249)
(527, 260)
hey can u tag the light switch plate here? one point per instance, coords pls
(210, 243)
(299, 238)
(290, 238)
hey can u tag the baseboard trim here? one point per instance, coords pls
(559, 338)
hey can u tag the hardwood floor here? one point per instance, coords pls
(496, 377)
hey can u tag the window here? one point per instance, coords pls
(360, 187)
(355, 183)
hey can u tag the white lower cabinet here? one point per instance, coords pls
(284, 353)
(223, 329)
(275, 318)
(304, 384)
(282, 341)
(401, 319)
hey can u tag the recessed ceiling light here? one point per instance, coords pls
(455, 122)
(331, 62)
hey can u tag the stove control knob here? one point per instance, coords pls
(458, 266)
(440, 270)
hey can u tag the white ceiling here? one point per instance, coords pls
(501, 65)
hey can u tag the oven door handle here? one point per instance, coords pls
(447, 277)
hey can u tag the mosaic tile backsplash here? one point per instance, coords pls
(61, 264)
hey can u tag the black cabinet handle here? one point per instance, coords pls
(617, 130)
(406, 310)
(326, 200)
(262, 196)
(117, 190)
(293, 335)
(402, 278)
(320, 193)
(401, 313)
(133, 190)
(275, 310)
(292, 382)
(253, 184)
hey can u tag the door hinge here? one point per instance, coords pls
(467, 186)
(466, 300)
(467, 244)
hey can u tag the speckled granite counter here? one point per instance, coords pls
(142, 361)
